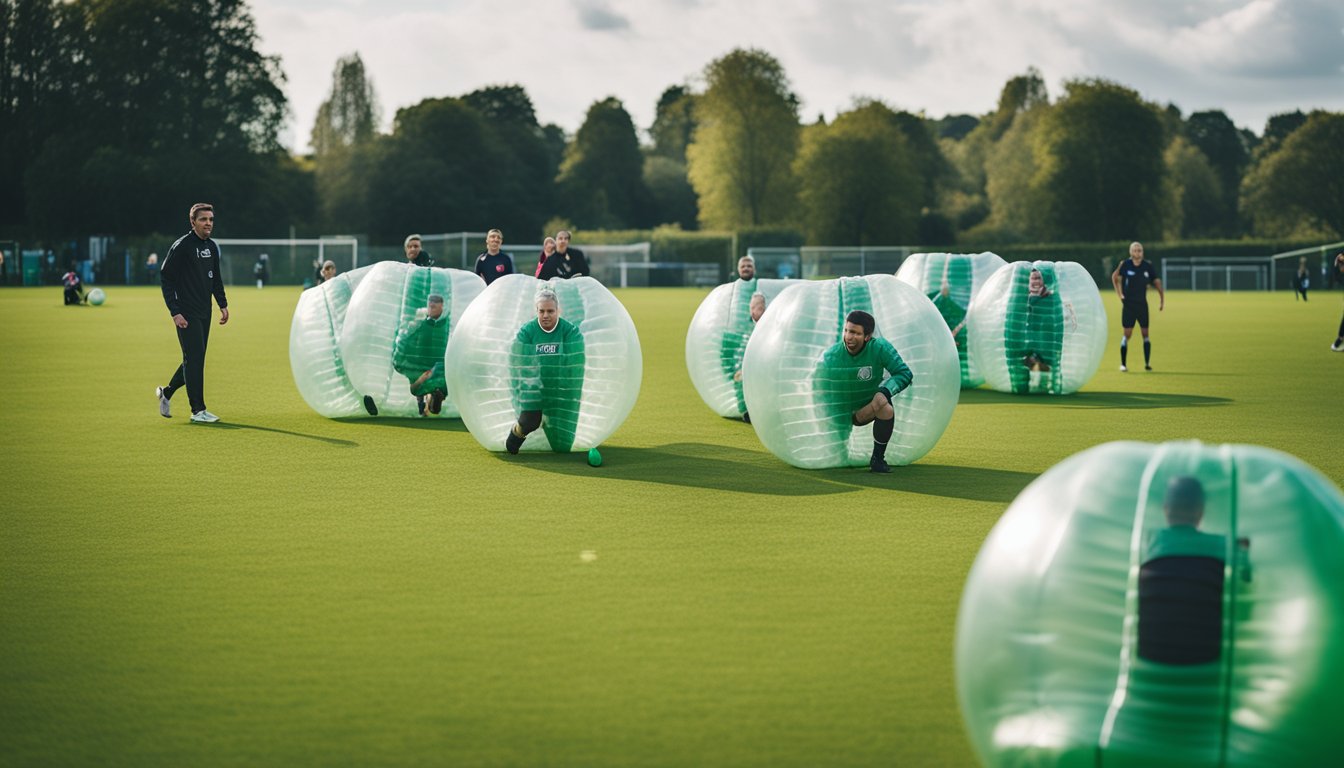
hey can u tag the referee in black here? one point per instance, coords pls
(189, 275)
(1131, 279)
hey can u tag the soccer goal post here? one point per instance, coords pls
(1212, 273)
(1286, 263)
(289, 261)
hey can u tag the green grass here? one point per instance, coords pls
(284, 589)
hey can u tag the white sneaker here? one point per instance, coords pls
(204, 417)
(1123, 369)
(165, 408)
(1338, 346)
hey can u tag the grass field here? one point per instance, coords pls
(283, 589)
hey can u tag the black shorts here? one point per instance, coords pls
(1134, 311)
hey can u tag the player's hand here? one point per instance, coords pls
(1161, 303)
(223, 315)
(179, 321)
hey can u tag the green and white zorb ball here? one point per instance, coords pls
(1159, 605)
(97, 296)
(584, 387)
(717, 340)
(1037, 344)
(784, 377)
(314, 346)
(388, 340)
(951, 281)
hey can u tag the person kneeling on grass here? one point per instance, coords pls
(850, 379)
(548, 361)
(419, 352)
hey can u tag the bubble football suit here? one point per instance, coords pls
(951, 281)
(314, 346)
(1049, 344)
(390, 341)
(795, 413)
(1100, 627)
(584, 380)
(717, 341)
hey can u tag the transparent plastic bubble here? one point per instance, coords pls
(793, 413)
(314, 346)
(584, 396)
(951, 281)
(1048, 344)
(1158, 605)
(717, 341)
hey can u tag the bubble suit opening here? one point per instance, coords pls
(389, 341)
(793, 415)
(1026, 344)
(952, 281)
(1098, 627)
(491, 378)
(716, 342)
(314, 346)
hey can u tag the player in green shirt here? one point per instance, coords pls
(418, 355)
(1036, 333)
(849, 379)
(548, 364)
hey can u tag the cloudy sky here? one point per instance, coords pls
(1250, 58)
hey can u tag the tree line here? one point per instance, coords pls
(116, 115)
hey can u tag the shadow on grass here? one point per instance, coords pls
(235, 425)
(718, 467)
(1140, 400)
(431, 423)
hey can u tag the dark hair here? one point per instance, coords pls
(863, 320)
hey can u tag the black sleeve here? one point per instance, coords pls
(480, 262)
(548, 268)
(217, 285)
(581, 263)
(168, 279)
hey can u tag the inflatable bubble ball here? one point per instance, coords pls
(1037, 327)
(1159, 605)
(787, 383)
(314, 346)
(583, 382)
(717, 341)
(951, 281)
(394, 337)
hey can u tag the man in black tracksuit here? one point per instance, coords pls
(189, 275)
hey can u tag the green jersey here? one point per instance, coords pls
(548, 369)
(736, 334)
(848, 382)
(1186, 541)
(419, 348)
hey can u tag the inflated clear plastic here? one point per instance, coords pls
(484, 379)
(717, 340)
(1049, 662)
(794, 419)
(314, 346)
(951, 281)
(1065, 331)
(382, 309)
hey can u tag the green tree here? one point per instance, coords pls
(671, 195)
(601, 182)
(1299, 190)
(861, 185)
(744, 144)
(1020, 94)
(673, 123)
(1016, 206)
(1196, 208)
(1214, 134)
(1277, 129)
(342, 139)
(522, 192)
(1099, 162)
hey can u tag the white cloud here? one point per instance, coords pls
(1252, 58)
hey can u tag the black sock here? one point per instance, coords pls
(1124, 353)
(1147, 351)
(882, 429)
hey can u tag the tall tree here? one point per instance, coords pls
(1099, 164)
(1016, 206)
(601, 182)
(1020, 94)
(342, 139)
(1196, 207)
(1214, 134)
(523, 191)
(741, 157)
(673, 123)
(350, 114)
(862, 183)
(1299, 190)
(1277, 129)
